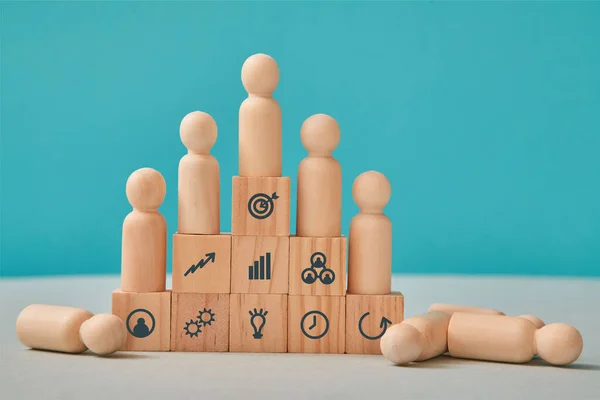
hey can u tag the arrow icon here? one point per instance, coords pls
(383, 325)
(210, 257)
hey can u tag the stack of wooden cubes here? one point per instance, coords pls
(259, 289)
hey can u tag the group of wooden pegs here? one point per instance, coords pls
(296, 283)
(480, 334)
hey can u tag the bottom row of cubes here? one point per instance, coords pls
(256, 323)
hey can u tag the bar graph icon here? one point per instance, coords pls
(261, 270)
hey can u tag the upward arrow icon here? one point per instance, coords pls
(210, 257)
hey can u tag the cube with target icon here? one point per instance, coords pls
(261, 206)
(200, 322)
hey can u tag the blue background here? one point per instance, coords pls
(484, 116)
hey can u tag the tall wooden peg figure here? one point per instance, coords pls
(198, 187)
(370, 255)
(319, 211)
(144, 247)
(260, 119)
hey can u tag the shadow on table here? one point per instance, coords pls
(538, 362)
(445, 361)
(120, 355)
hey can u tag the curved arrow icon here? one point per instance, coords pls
(210, 257)
(383, 325)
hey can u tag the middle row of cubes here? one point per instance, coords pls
(259, 264)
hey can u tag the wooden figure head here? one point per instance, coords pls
(371, 192)
(559, 344)
(260, 75)
(198, 132)
(320, 135)
(146, 189)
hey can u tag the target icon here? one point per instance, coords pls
(261, 205)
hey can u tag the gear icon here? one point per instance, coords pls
(192, 328)
(205, 317)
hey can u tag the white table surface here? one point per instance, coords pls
(30, 374)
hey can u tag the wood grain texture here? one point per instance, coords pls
(316, 324)
(378, 307)
(370, 239)
(191, 251)
(144, 234)
(246, 250)
(200, 322)
(302, 250)
(198, 187)
(319, 205)
(255, 211)
(260, 119)
(272, 337)
(158, 305)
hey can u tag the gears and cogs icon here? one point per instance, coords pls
(205, 317)
(192, 328)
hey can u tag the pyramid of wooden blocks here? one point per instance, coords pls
(258, 289)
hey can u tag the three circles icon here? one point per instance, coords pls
(261, 205)
(311, 275)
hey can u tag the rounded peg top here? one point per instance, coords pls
(260, 75)
(198, 132)
(103, 333)
(534, 320)
(401, 344)
(320, 135)
(146, 189)
(559, 344)
(371, 192)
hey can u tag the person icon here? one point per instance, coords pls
(141, 330)
(309, 276)
(327, 276)
(318, 261)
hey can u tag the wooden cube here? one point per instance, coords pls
(317, 266)
(200, 322)
(367, 319)
(259, 323)
(260, 264)
(147, 317)
(201, 263)
(316, 324)
(261, 206)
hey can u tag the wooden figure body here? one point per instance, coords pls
(370, 255)
(452, 308)
(511, 339)
(55, 328)
(198, 186)
(319, 207)
(144, 247)
(260, 119)
(416, 339)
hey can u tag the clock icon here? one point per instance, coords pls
(314, 324)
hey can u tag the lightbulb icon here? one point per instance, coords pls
(258, 320)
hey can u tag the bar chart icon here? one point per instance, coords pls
(261, 270)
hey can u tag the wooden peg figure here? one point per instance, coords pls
(511, 339)
(260, 119)
(319, 206)
(370, 254)
(144, 247)
(198, 186)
